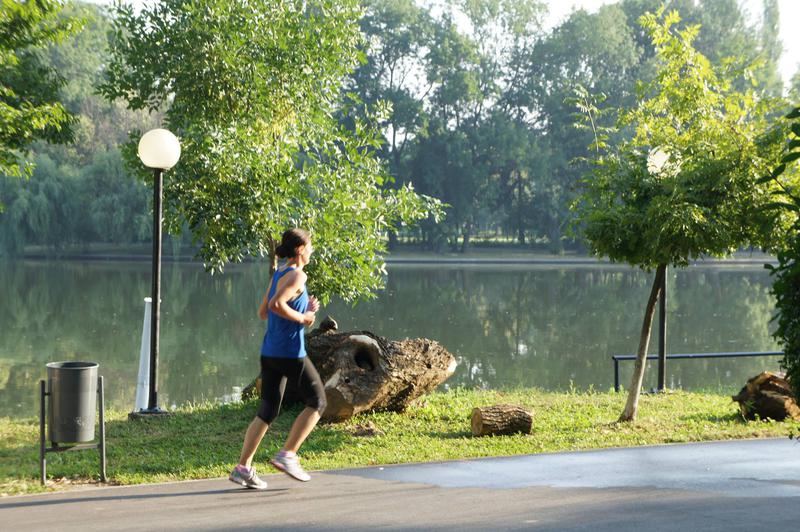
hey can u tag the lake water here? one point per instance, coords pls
(549, 326)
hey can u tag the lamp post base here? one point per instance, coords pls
(656, 391)
(149, 413)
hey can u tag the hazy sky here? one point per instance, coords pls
(789, 9)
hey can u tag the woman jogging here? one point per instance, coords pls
(288, 310)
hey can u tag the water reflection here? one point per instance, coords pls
(551, 327)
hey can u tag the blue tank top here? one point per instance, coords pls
(285, 338)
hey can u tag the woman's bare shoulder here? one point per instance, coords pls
(295, 277)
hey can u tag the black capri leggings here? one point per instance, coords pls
(275, 372)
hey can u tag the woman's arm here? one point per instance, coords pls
(288, 287)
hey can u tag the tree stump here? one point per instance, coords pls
(501, 420)
(768, 395)
(365, 372)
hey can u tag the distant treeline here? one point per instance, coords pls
(483, 105)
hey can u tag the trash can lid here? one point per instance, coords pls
(72, 365)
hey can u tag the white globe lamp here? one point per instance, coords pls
(159, 148)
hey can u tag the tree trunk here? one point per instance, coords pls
(365, 372)
(520, 216)
(500, 420)
(631, 406)
(392, 244)
(273, 257)
(556, 246)
(465, 240)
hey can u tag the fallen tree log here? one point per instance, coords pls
(501, 420)
(365, 372)
(768, 395)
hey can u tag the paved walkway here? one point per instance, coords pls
(724, 486)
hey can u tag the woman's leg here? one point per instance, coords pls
(252, 438)
(312, 393)
(273, 384)
(301, 428)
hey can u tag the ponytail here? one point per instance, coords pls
(290, 241)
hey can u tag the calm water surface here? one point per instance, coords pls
(554, 327)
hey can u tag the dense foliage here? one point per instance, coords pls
(786, 287)
(685, 184)
(251, 89)
(481, 92)
(482, 104)
(79, 193)
(29, 104)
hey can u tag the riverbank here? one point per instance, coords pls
(500, 254)
(204, 441)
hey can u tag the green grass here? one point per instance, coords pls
(204, 441)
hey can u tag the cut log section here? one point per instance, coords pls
(365, 372)
(501, 420)
(768, 395)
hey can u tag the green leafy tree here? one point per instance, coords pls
(29, 104)
(517, 161)
(726, 37)
(794, 87)
(43, 209)
(770, 50)
(113, 203)
(455, 166)
(251, 89)
(81, 58)
(397, 41)
(495, 69)
(609, 53)
(445, 162)
(462, 155)
(116, 204)
(506, 32)
(685, 184)
(786, 287)
(597, 51)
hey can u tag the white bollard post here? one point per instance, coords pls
(143, 381)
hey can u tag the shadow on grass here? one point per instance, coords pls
(727, 418)
(450, 435)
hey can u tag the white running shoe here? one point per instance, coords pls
(247, 478)
(291, 466)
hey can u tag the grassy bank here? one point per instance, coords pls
(204, 440)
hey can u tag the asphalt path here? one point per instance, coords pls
(721, 486)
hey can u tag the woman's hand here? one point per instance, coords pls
(313, 304)
(262, 309)
(309, 317)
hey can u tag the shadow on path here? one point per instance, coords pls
(78, 500)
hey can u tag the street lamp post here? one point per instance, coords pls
(661, 163)
(160, 150)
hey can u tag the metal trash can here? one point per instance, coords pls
(73, 400)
